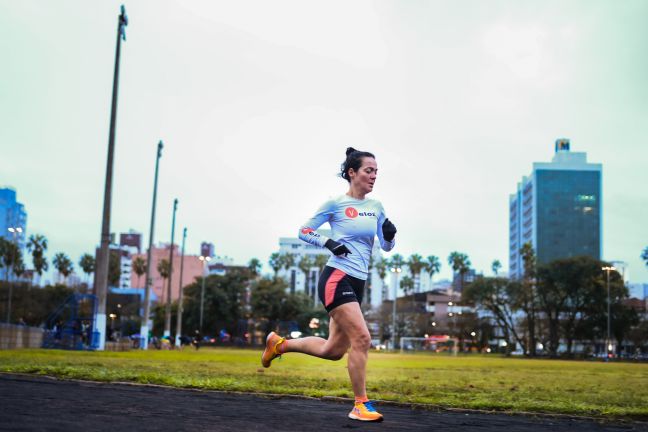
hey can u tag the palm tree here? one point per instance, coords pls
(416, 264)
(87, 264)
(460, 264)
(396, 261)
(163, 268)
(305, 264)
(496, 266)
(320, 261)
(63, 265)
(644, 255)
(407, 284)
(10, 254)
(11, 258)
(255, 267)
(37, 245)
(381, 268)
(139, 268)
(432, 266)
(276, 262)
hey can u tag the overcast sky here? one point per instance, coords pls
(257, 101)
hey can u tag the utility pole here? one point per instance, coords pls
(101, 274)
(180, 296)
(167, 315)
(144, 327)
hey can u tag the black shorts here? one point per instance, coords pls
(336, 287)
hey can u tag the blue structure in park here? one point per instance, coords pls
(72, 325)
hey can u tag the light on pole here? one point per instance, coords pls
(608, 340)
(167, 315)
(101, 273)
(205, 260)
(144, 327)
(396, 271)
(180, 296)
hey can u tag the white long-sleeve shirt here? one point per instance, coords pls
(354, 223)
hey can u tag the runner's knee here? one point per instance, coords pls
(361, 341)
(334, 353)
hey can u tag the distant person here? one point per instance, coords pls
(355, 221)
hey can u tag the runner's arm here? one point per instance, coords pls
(384, 244)
(307, 232)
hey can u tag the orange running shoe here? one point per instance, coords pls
(364, 411)
(273, 341)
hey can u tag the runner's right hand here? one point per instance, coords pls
(336, 248)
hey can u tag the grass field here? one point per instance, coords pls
(491, 383)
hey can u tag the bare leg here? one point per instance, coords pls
(332, 348)
(350, 320)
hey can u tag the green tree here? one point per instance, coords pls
(320, 261)
(432, 266)
(63, 265)
(461, 265)
(87, 264)
(305, 264)
(494, 295)
(10, 255)
(528, 297)
(164, 268)
(114, 267)
(644, 255)
(396, 261)
(139, 268)
(224, 304)
(276, 262)
(37, 245)
(254, 265)
(381, 267)
(416, 264)
(496, 266)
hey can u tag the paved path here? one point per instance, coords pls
(29, 403)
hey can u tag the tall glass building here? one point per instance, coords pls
(557, 209)
(13, 220)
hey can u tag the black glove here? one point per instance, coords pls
(389, 230)
(336, 248)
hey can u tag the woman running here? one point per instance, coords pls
(355, 221)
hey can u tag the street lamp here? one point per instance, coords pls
(205, 260)
(608, 341)
(101, 272)
(396, 271)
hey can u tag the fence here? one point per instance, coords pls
(20, 336)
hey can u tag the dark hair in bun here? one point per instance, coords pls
(353, 160)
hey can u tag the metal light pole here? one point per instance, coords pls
(180, 296)
(144, 328)
(396, 271)
(205, 260)
(101, 274)
(608, 341)
(167, 315)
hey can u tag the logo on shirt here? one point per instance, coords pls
(307, 230)
(351, 212)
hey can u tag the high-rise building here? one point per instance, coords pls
(206, 249)
(557, 209)
(13, 218)
(132, 239)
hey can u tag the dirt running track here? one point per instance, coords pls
(31, 403)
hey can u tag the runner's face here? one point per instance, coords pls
(365, 177)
